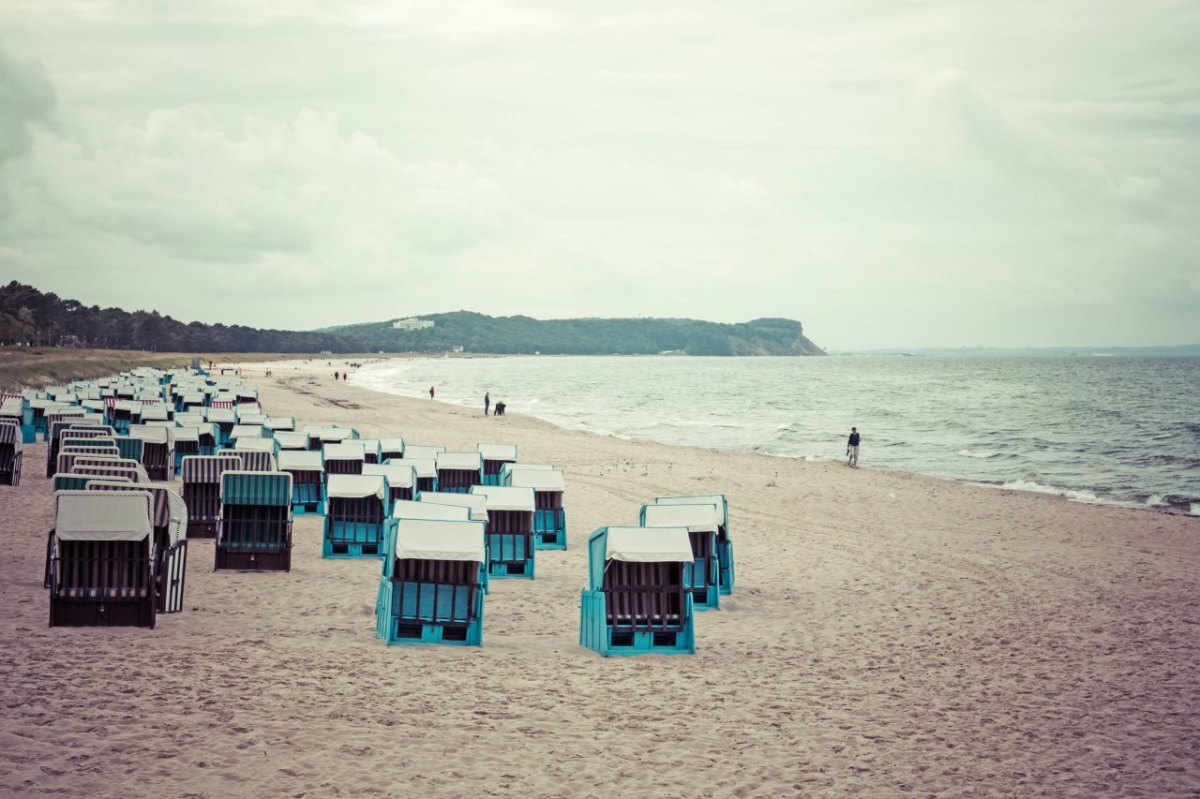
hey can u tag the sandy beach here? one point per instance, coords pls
(889, 635)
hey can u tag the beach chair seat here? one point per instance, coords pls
(430, 591)
(201, 488)
(255, 529)
(102, 560)
(638, 600)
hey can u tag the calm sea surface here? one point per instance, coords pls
(1096, 429)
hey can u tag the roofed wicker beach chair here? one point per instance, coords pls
(308, 479)
(10, 453)
(74, 430)
(701, 522)
(102, 560)
(402, 478)
(255, 529)
(459, 471)
(108, 468)
(241, 432)
(372, 450)
(725, 569)
(291, 440)
(510, 531)
(158, 449)
(224, 418)
(424, 468)
(637, 600)
(422, 452)
(549, 517)
(409, 509)
(431, 590)
(357, 516)
(318, 437)
(280, 424)
(391, 448)
(201, 476)
(254, 460)
(16, 407)
(169, 520)
(345, 458)
(494, 457)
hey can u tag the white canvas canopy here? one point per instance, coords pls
(253, 418)
(356, 486)
(425, 467)
(475, 503)
(221, 415)
(300, 460)
(278, 423)
(152, 433)
(419, 451)
(330, 434)
(370, 446)
(187, 433)
(287, 439)
(394, 444)
(696, 518)
(190, 419)
(102, 515)
(537, 479)
(408, 509)
(398, 475)
(466, 461)
(241, 430)
(648, 545)
(498, 452)
(12, 407)
(430, 539)
(157, 413)
(506, 497)
(253, 444)
(349, 451)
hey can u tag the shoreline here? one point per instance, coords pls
(1079, 496)
(888, 634)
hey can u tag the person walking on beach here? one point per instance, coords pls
(431, 392)
(499, 409)
(487, 402)
(852, 448)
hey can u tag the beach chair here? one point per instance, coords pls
(10, 454)
(169, 520)
(549, 517)
(16, 408)
(86, 447)
(158, 449)
(318, 437)
(308, 479)
(476, 504)
(431, 591)
(106, 468)
(701, 522)
(255, 528)
(494, 457)
(224, 418)
(124, 414)
(187, 443)
(201, 476)
(242, 431)
(102, 560)
(402, 479)
(128, 446)
(725, 569)
(421, 452)
(280, 424)
(637, 601)
(356, 515)
(347, 458)
(391, 448)
(506, 470)
(77, 430)
(457, 472)
(156, 412)
(510, 543)
(372, 450)
(424, 468)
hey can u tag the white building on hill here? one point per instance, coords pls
(412, 323)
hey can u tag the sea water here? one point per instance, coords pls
(1116, 430)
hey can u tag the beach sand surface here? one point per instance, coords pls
(889, 635)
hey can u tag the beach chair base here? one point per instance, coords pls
(28, 434)
(552, 539)
(90, 613)
(520, 570)
(258, 560)
(597, 634)
(306, 508)
(706, 598)
(335, 549)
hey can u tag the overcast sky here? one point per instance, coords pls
(937, 173)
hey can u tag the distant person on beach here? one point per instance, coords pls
(335, 375)
(431, 392)
(852, 448)
(487, 402)
(499, 409)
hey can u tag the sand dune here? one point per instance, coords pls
(890, 635)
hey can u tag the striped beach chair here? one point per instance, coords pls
(11, 444)
(201, 476)
(637, 600)
(102, 560)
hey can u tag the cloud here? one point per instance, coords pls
(26, 100)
